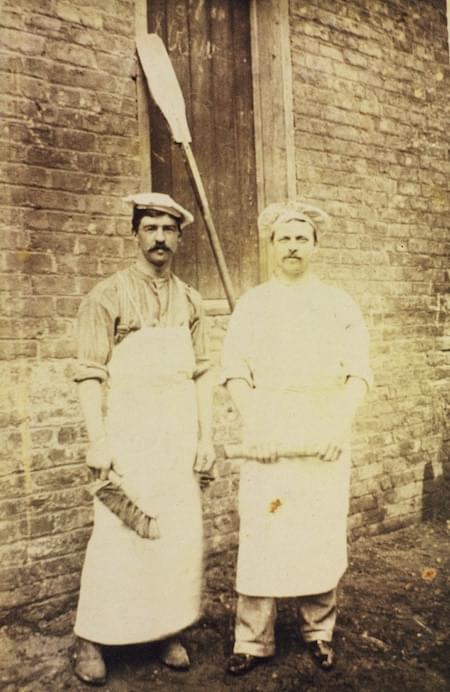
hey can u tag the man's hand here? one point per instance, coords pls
(329, 450)
(336, 433)
(262, 447)
(333, 439)
(264, 452)
(99, 457)
(204, 462)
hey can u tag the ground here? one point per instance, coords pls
(392, 634)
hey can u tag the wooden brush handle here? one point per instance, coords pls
(245, 452)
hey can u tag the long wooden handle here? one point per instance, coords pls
(166, 91)
(245, 452)
(202, 201)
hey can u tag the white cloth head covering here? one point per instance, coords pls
(289, 211)
(161, 202)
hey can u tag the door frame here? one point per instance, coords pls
(272, 106)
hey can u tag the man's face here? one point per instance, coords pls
(293, 247)
(158, 238)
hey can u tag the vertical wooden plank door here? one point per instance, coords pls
(209, 45)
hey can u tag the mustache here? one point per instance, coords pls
(160, 246)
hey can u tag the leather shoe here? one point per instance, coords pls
(322, 653)
(88, 662)
(174, 655)
(239, 664)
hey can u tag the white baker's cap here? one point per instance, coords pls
(161, 202)
(289, 211)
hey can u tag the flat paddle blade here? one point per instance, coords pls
(163, 84)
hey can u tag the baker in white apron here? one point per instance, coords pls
(296, 364)
(136, 589)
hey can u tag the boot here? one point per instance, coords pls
(88, 662)
(174, 655)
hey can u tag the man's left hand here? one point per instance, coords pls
(204, 462)
(336, 432)
(333, 439)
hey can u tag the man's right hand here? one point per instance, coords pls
(262, 448)
(265, 452)
(99, 457)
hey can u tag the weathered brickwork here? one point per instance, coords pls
(371, 146)
(372, 143)
(69, 146)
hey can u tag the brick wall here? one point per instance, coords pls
(70, 150)
(371, 138)
(372, 146)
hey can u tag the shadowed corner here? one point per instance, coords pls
(436, 488)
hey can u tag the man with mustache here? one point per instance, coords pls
(142, 332)
(295, 363)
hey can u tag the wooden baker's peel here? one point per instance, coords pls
(166, 92)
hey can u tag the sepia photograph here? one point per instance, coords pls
(225, 345)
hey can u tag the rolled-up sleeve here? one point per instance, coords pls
(236, 347)
(95, 335)
(356, 345)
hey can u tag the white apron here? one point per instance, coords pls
(135, 589)
(293, 513)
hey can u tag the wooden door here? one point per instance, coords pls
(209, 44)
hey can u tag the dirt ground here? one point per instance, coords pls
(393, 634)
